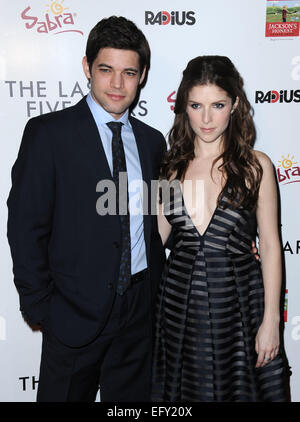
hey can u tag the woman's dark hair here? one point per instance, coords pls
(121, 33)
(239, 164)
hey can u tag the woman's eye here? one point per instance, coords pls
(195, 106)
(219, 105)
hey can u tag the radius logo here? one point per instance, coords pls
(170, 18)
(282, 96)
(287, 170)
(171, 99)
(55, 20)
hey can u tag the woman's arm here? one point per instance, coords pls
(267, 339)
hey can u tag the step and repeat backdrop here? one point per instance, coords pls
(41, 48)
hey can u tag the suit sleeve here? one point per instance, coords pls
(170, 241)
(161, 151)
(30, 210)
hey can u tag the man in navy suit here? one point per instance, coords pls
(66, 255)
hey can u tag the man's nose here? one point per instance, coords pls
(117, 80)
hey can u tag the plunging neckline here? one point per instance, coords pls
(189, 217)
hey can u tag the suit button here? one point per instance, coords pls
(110, 285)
(116, 244)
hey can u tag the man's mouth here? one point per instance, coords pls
(116, 97)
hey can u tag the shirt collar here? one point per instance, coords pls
(102, 116)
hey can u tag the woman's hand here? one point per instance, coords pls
(267, 342)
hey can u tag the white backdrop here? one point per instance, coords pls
(42, 45)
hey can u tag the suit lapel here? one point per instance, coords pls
(90, 137)
(89, 134)
(94, 152)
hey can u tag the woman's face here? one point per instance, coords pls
(208, 110)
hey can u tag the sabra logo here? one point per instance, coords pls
(287, 170)
(55, 19)
(172, 18)
(283, 96)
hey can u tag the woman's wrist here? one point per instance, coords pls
(271, 318)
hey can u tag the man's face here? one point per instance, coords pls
(115, 77)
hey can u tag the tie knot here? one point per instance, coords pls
(115, 127)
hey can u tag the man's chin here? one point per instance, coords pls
(117, 113)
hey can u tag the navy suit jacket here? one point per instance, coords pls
(65, 255)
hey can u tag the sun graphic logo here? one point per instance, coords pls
(287, 170)
(56, 7)
(61, 20)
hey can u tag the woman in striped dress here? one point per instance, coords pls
(217, 318)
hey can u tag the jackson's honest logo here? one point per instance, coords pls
(56, 20)
(282, 18)
(169, 18)
(282, 96)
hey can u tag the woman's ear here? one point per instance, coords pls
(235, 105)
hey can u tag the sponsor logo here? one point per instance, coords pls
(282, 96)
(171, 99)
(282, 18)
(287, 170)
(57, 19)
(296, 329)
(169, 18)
(295, 74)
(285, 305)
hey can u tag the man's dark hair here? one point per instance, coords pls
(121, 33)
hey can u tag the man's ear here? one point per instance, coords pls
(86, 68)
(142, 76)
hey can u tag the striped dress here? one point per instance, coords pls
(210, 305)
